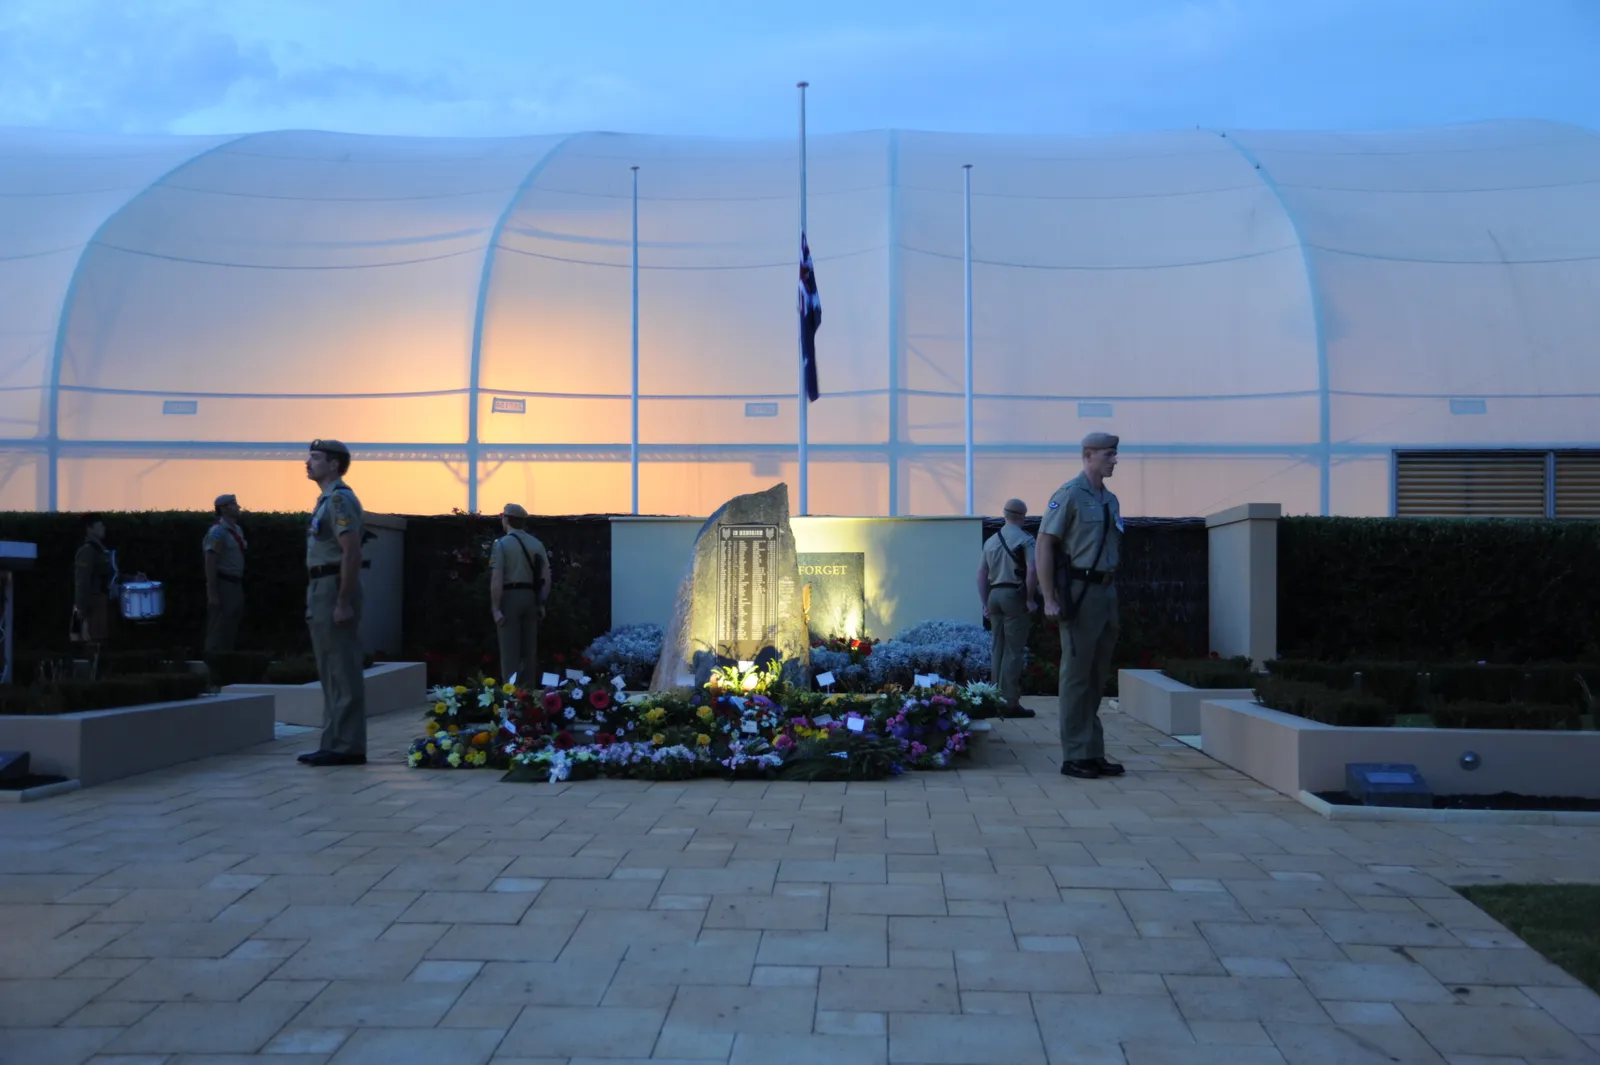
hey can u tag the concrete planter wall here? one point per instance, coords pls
(390, 686)
(1291, 755)
(1152, 697)
(94, 746)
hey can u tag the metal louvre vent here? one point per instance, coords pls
(1578, 484)
(1463, 484)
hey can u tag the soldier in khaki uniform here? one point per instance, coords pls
(519, 584)
(1008, 588)
(333, 606)
(223, 551)
(1080, 541)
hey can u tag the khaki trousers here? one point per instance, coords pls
(1087, 643)
(339, 657)
(519, 636)
(222, 620)
(1008, 628)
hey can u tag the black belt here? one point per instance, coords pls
(231, 578)
(331, 570)
(1009, 584)
(513, 586)
(1092, 576)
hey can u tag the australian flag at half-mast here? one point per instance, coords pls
(810, 318)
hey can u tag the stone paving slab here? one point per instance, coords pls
(247, 909)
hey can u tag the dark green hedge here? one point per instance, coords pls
(133, 689)
(165, 545)
(1317, 702)
(1211, 672)
(1498, 590)
(1418, 687)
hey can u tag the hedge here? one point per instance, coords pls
(69, 696)
(1418, 687)
(1317, 702)
(1496, 590)
(165, 545)
(1211, 673)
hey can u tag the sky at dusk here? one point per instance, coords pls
(709, 67)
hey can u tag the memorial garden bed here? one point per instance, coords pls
(744, 722)
(1169, 698)
(94, 746)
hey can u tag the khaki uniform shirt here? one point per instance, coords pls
(1076, 516)
(1000, 553)
(507, 556)
(228, 543)
(338, 511)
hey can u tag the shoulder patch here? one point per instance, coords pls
(1054, 505)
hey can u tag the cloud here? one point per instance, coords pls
(116, 67)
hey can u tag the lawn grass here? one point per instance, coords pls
(1560, 921)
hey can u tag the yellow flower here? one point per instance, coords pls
(455, 730)
(509, 689)
(488, 682)
(440, 708)
(658, 739)
(703, 740)
(432, 749)
(415, 758)
(657, 715)
(460, 690)
(431, 728)
(705, 713)
(455, 760)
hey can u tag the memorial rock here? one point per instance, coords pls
(739, 600)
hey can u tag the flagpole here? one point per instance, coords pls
(966, 259)
(633, 448)
(801, 361)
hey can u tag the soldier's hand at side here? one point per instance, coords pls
(1052, 609)
(499, 617)
(343, 613)
(541, 612)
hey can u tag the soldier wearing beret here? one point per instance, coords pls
(519, 584)
(1080, 541)
(333, 606)
(223, 552)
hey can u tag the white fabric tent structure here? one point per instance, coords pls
(1261, 316)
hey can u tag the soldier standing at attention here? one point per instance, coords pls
(333, 606)
(1008, 588)
(92, 577)
(1080, 542)
(223, 551)
(519, 584)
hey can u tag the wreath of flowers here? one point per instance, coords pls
(745, 721)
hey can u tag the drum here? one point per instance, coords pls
(143, 600)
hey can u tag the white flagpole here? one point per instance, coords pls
(966, 258)
(800, 318)
(633, 448)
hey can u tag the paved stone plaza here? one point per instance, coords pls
(250, 909)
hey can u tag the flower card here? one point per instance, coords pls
(822, 719)
(745, 667)
(825, 679)
(550, 680)
(751, 727)
(618, 683)
(575, 674)
(855, 724)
